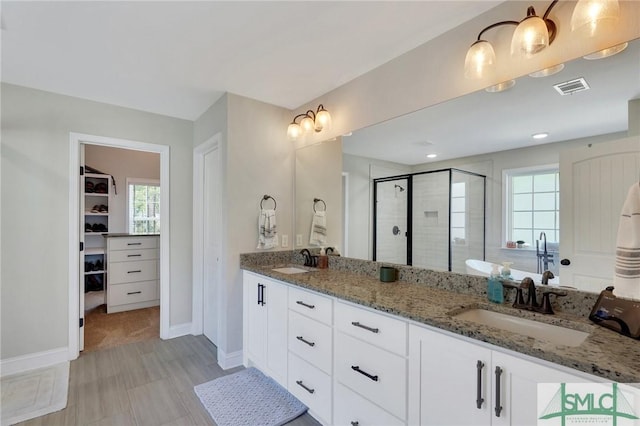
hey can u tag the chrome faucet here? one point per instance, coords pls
(544, 258)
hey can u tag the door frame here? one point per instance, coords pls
(75, 139)
(197, 324)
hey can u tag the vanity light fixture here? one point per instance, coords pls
(310, 121)
(533, 34)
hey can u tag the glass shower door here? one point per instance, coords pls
(391, 223)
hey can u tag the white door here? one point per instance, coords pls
(211, 226)
(82, 242)
(593, 185)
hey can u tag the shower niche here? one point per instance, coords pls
(433, 220)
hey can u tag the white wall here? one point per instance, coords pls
(35, 208)
(121, 164)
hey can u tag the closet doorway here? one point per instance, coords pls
(117, 187)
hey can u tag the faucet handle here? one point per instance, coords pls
(518, 300)
(546, 303)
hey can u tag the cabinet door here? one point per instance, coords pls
(274, 296)
(519, 386)
(256, 327)
(444, 383)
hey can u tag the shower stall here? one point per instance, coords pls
(433, 220)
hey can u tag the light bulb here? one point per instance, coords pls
(307, 124)
(294, 131)
(480, 57)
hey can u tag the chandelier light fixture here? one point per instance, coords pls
(309, 121)
(533, 34)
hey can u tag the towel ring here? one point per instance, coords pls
(316, 201)
(266, 197)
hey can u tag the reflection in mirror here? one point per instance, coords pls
(491, 133)
(318, 196)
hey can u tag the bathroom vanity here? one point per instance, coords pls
(359, 351)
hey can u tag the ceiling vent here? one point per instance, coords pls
(572, 86)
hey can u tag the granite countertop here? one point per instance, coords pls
(604, 353)
(124, 234)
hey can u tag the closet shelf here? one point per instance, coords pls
(94, 272)
(93, 250)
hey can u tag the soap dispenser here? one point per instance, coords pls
(506, 270)
(495, 291)
(323, 259)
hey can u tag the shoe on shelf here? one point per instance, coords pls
(103, 209)
(98, 265)
(88, 266)
(101, 188)
(88, 187)
(95, 209)
(88, 227)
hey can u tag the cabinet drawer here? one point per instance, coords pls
(317, 395)
(350, 408)
(126, 272)
(310, 340)
(374, 373)
(374, 328)
(132, 293)
(132, 255)
(313, 305)
(132, 243)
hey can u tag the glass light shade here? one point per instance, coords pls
(323, 120)
(294, 131)
(588, 14)
(530, 37)
(480, 57)
(307, 124)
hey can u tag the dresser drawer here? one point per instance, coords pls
(311, 340)
(350, 408)
(132, 255)
(126, 272)
(311, 386)
(132, 243)
(132, 293)
(313, 305)
(374, 328)
(374, 373)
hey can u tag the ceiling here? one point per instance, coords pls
(484, 122)
(178, 58)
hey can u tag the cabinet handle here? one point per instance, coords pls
(300, 302)
(134, 244)
(498, 407)
(261, 294)
(479, 398)
(134, 272)
(134, 292)
(134, 255)
(355, 423)
(299, 383)
(364, 373)
(373, 330)
(312, 344)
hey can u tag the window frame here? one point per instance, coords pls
(136, 181)
(507, 200)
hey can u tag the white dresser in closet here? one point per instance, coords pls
(132, 272)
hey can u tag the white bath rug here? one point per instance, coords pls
(34, 393)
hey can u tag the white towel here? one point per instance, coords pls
(318, 236)
(626, 279)
(267, 235)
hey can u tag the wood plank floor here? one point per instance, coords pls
(145, 383)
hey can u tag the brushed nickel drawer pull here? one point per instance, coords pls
(134, 244)
(134, 272)
(134, 292)
(300, 302)
(134, 255)
(364, 373)
(373, 330)
(312, 344)
(299, 383)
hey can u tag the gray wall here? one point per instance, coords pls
(35, 208)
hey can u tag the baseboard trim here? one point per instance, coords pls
(33, 361)
(227, 361)
(179, 330)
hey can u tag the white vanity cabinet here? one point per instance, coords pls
(454, 382)
(265, 326)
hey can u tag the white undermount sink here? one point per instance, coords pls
(290, 270)
(538, 330)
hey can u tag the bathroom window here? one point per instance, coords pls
(458, 213)
(532, 204)
(143, 200)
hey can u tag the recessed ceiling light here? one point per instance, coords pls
(348, 134)
(432, 155)
(540, 135)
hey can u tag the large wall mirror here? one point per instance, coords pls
(490, 133)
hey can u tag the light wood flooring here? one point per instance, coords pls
(144, 383)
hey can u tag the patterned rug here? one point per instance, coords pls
(104, 331)
(248, 397)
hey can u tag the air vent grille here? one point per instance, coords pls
(572, 86)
